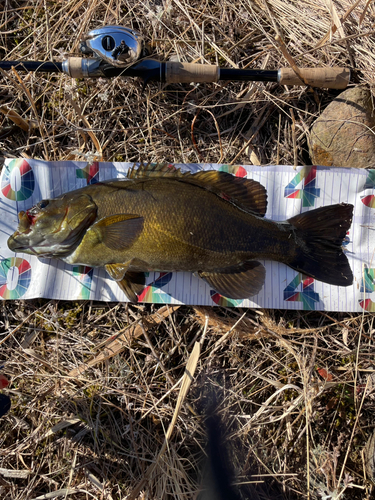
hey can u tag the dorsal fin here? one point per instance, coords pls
(246, 194)
(149, 170)
(154, 170)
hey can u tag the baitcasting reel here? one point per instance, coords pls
(117, 45)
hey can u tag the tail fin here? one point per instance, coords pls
(320, 253)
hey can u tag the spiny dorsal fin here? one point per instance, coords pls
(246, 194)
(154, 170)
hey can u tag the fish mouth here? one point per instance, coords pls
(12, 244)
(16, 246)
(24, 223)
(19, 242)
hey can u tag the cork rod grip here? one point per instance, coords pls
(330, 78)
(177, 72)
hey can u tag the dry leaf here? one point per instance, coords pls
(324, 374)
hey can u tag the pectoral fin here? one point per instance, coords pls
(118, 232)
(238, 282)
(131, 282)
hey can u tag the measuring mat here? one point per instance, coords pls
(23, 183)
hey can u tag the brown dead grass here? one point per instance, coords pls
(296, 390)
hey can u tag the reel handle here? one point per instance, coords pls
(330, 78)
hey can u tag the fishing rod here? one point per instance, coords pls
(119, 51)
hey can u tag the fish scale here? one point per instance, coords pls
(184, 213)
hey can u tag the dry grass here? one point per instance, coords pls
(296, 390)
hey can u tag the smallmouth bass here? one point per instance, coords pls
(210, 223)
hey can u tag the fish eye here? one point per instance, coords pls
(42, 204)
(39, 206)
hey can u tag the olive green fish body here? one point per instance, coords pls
(164, 220)
(184, 229)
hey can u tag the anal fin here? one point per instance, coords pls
(237, 282)
(131, 282)
(132, 285)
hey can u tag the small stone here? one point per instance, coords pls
(344, 134)
(369, 452)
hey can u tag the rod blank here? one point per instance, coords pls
(37, 66)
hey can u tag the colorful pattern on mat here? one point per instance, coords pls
(370, 181)
(367, 287)
(301, 289)
(90, 173)
(367, 284)
(369, 200)
(346, 240)
(220, 300)
(84, 275)
(10, 270)
(308, 193)
(236, 170)
(153, 292)
(18, 181)
(367, 305)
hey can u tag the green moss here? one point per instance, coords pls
(93, 390)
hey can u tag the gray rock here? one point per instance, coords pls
(344, 134)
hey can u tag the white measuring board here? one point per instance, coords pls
(290, 191)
